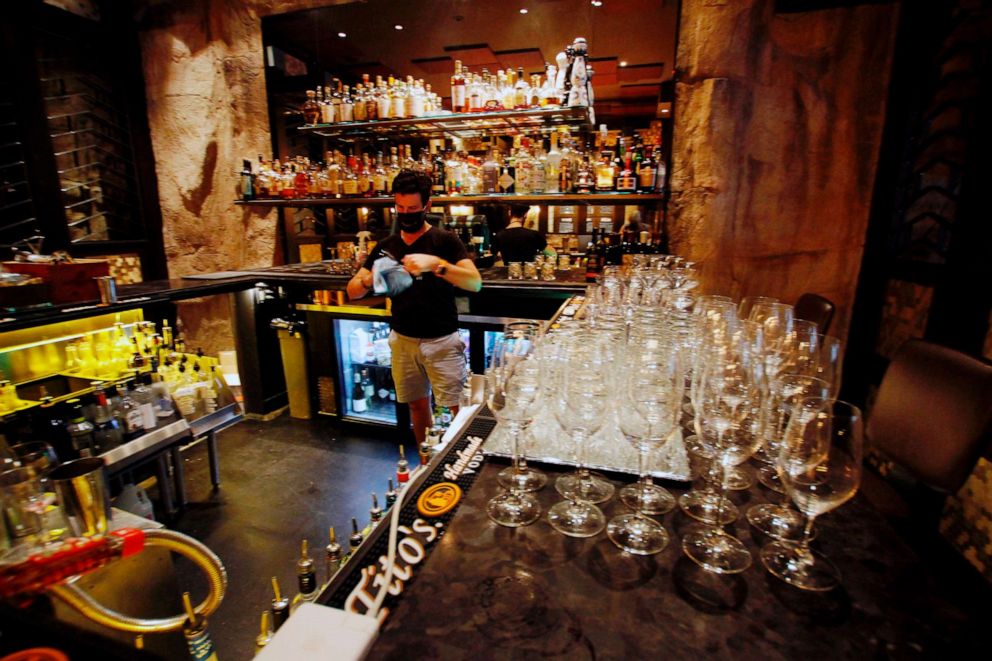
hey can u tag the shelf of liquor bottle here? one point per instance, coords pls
(463, 125)
(605, 198)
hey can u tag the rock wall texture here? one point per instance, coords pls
(778, 123)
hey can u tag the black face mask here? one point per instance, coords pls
(411, 222)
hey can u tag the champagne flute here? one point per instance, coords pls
(519, 475)
(821, 469)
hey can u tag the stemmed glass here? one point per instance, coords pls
(519, 475)
(749, 302)
(584, 395)
(727, 417)
(652, 390)
(821, 469)
(513, 390)
(777, 520)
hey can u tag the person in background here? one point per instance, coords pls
(427, 351)
(516, 243)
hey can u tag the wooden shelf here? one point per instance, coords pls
(461, 125)
(620, 199)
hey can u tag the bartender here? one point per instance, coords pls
(517, 243)
(428, 355)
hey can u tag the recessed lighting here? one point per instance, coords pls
(597, 3)
(523, 11)
(623, 63)
(398, 26)
(342, 35)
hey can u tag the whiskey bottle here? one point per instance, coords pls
(458, 89)
(280, 606)
(375, 514)
(356, 536)
(402, 469)
(390, 495)
(626, 181)
(646, 174)
(311, 111)
(333, 555)
(306, 579)
(264, 636)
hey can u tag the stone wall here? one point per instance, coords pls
(778, 124)
(207, 110)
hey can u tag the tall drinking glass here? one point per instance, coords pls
(652, 387)
(519, 475)
(513, 389)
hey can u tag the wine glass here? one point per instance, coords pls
(749, 302)
(652, 390)
(821, 468)
(777, 520)
(728, 417)
(513, 389)
(830, 363)
(519, 475)
(583, 397)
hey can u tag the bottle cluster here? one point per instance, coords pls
(532, 165)
(504, 90)
(392, 98)
(617, 249)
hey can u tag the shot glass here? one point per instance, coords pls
(515, 270)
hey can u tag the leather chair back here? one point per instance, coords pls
(815, 308)
(933, 414)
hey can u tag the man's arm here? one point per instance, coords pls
(360, 284)
(462, 274)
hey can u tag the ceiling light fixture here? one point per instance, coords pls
(523, 11)
(398, 26)
(623, 63)
(342, 35)
(597, 3)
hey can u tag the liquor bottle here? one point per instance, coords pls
(647, 174)
(520, 90)
(626, 181)
(437, 170)
(604, 173)
(402, 469)
(333, 554)
(279, 607)
(390, 495)
(490, 174)
(306, 579)
(661, 178)
(347, 106)
(327, 108)
(134, 420)
(167, 334)
(552, 167)
(594, 258)
(264, 636)
(358, 402)
(525, 166)
(201, 647)
(538, 172)
(359, 110)
(368, 388)
(311, 111)
(458, 89)
(349, 187)
(142, 395)
(375, 514)
(247, 181)
(80, 430)
(585, 178)
(107, 432)
(356, 536)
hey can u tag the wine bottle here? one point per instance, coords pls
(358, 403)
(594, 261)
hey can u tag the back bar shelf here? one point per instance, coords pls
(618, 199)
(461, 125)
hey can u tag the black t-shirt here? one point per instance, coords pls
(427, 308)
(519, 244)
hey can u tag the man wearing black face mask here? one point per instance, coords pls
(427, 351)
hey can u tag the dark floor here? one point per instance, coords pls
(280, 481)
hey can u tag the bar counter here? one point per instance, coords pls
(530, 592)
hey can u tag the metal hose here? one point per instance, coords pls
(186, 546)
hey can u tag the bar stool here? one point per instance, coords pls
(815, 308)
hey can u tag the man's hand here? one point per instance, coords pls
(419, 263)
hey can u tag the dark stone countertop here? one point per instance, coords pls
(500, 593)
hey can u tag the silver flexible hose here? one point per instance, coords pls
(179, 543)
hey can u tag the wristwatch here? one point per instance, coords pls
(442, 267)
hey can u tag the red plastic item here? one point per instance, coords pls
(73, 557)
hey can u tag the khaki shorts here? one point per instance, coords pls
(420, 365)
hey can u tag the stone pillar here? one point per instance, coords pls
(778, 124)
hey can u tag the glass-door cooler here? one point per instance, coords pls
(367, 392)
